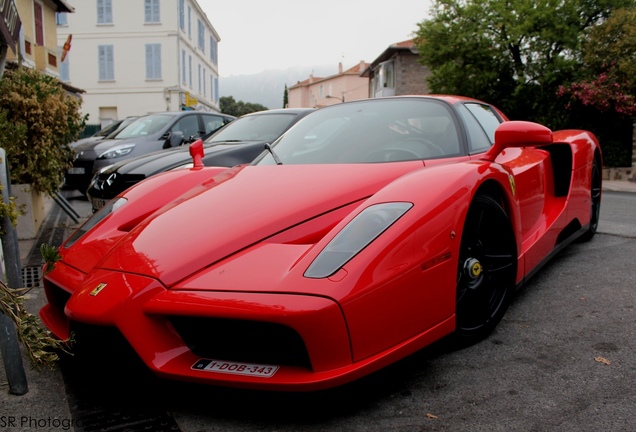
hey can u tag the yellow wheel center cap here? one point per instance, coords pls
(476, 269)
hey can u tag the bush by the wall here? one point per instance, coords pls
(38, 119)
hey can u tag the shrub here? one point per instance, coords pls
(38, 119)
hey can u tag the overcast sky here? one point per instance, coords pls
(257, 35)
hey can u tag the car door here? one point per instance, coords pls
(189, 126)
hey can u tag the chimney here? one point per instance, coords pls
(340, 68)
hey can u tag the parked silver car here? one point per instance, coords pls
(145, 135)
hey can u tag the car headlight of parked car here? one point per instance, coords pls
(118, 151)
(358, 234)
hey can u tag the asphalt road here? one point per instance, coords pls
(563, 359)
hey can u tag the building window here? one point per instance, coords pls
(201, 35)
(189, 22)
(183, 66)
(216, 90)
(106, 62)
(203, 75)
(211, 87)
(151, 11)
(61, 18)
(190, 70)
(65, 75)
(39, 24)
(199, 88)
(104, 12)
(153, 61)
(182, 15)
(213, 51)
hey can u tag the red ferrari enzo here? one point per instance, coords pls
(369, 230)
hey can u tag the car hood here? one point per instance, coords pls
(239, 208)
(163, 160)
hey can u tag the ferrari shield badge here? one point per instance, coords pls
(511, 179)
(98, 289)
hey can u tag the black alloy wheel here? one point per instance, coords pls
(595, 201)
(486, 269)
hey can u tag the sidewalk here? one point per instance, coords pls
(45, 407)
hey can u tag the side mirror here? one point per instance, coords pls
(518, 134)
(174, 140)
(196, 151)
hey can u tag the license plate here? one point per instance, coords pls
(98, 203)
(236, 368)
(76, 170)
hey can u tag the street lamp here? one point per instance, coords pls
(336, 97)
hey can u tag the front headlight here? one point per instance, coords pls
(358, 234)
(118, 151)
(109, 208)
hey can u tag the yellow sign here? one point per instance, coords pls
(190, 101)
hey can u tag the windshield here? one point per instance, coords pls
(109, 129)
(374, 130)
(144, 126)
(263, 127)
(122, 125)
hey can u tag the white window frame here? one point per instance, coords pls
(152, 12)
(153, 61)
(104, 11)
(183, 67)
(201, 35)
(182, 15)
(106, 62)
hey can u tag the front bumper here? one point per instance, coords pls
(173, 330)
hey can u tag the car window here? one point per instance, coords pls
(486, 117)
(265, 127)
(371, 131)
(108, 129)
(478, 141)
(212, 122)
(189, 125)
(145, 126)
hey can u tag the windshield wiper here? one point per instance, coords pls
(269, 148)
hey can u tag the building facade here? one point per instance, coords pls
(397, 71)
(319, 92)
(38, 36)
(139, 57)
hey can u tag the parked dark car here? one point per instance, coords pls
(239, 142)
(145, 135)
(106, 132)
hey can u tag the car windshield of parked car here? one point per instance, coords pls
(265, 127)
(373, 130)
(144, 126)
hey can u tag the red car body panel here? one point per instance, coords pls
(246, 236)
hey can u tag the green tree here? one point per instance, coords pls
(230, 106)
(285, 97)
(513, 53)
(38, 120)
(609, 55)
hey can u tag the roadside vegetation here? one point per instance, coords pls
(565, 64)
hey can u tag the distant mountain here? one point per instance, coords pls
(268, 87)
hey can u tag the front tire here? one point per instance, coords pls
(486, 269)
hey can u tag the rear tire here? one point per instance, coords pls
(486, 270)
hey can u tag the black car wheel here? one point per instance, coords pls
(486, 269)
(595, 206)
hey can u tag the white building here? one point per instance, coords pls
(134, 57)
